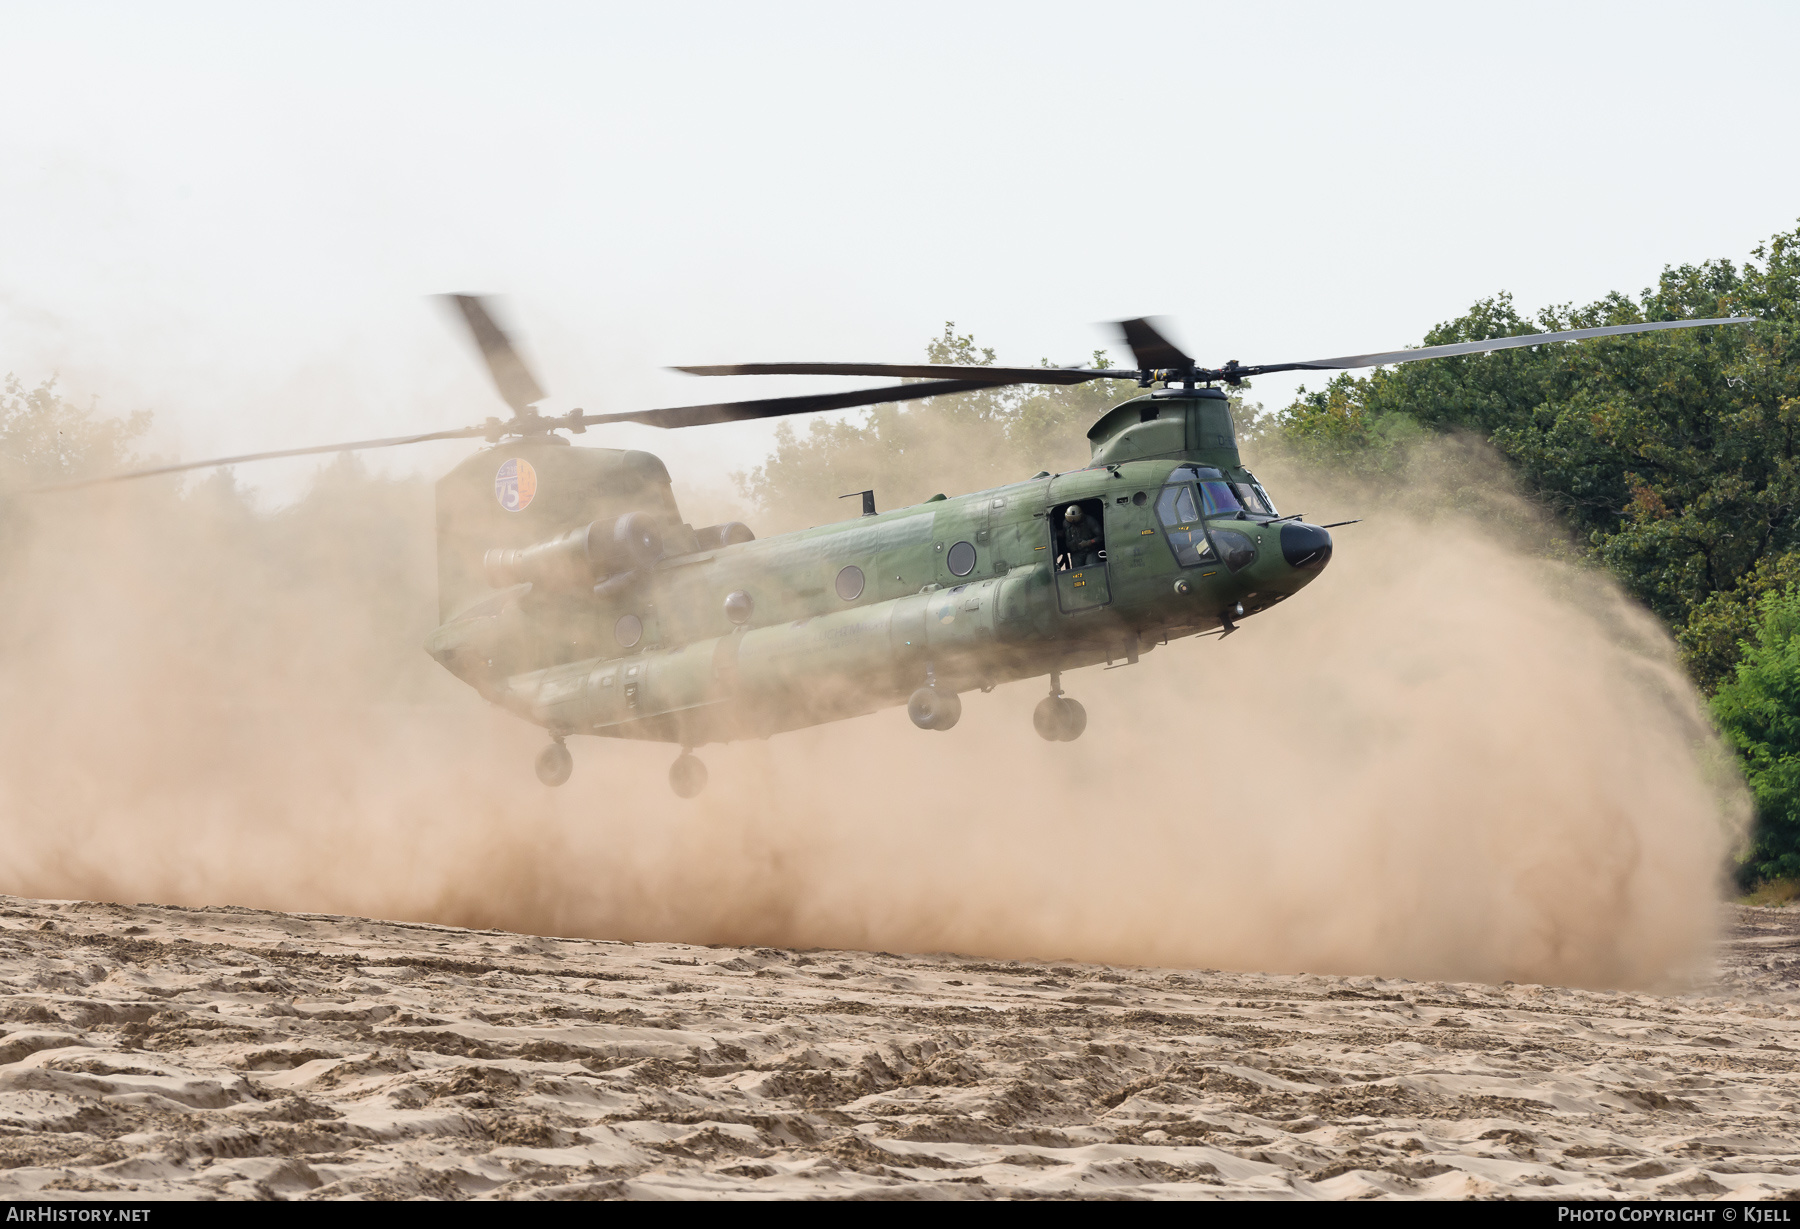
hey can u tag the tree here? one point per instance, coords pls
(1758, 710)
(1671, 456)
(44, 437)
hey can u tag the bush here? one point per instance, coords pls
(1772, 893)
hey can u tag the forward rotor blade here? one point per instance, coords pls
(1153, 351)
(1495, 343)
(512, 377)
(918, 371)
(355, 446)
(777, 407)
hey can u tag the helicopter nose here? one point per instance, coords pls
(1305, 546)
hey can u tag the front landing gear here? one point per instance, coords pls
(687, 775)
(931, 709)
(1057, 718)
(554, 764)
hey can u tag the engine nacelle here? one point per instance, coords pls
(578, 558)
(731, 533)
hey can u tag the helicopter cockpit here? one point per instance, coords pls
(1196, 493)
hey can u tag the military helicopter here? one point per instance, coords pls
(572, 593)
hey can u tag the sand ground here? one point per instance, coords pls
(152, 1051)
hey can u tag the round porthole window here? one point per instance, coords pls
(961, 559)
(628, 631)
(850, 583)
(738, 605)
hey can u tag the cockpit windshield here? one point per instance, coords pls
(1221, 496)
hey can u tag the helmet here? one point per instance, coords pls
(1072, 514)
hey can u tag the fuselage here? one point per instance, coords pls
(957, 593)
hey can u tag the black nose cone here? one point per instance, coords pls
(1305, 546)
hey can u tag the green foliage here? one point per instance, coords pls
(44, 437)
(907, 453)
(1672, 456)
(1758, 711)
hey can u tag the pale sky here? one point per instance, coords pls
(231, 214)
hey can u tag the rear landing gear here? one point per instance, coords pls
(554, 764)
(1057, 718)
(687, 775)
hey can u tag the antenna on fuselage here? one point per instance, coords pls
(868, 498)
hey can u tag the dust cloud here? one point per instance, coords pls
(1448, 758)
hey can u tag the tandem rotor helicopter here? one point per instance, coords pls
(572, 593)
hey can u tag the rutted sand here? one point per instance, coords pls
(156, 1051)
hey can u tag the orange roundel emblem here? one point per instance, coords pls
(515, 484)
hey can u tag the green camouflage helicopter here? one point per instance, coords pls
(572, 593)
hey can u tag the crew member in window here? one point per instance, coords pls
(1081, 534)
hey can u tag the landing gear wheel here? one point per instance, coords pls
(952, 709)
(554, 764)
(1059, 719)
(931, 709)
(1074, 719)
(687, 776)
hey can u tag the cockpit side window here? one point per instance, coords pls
(1187, 536)
(1251, 497)
(1176, 506)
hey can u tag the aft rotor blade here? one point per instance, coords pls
(518, 388)
(919, 371)
(777, 407)
(1494, 343)
(355, 446)
(1150, 348)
